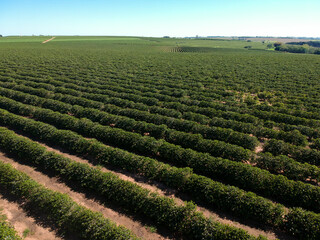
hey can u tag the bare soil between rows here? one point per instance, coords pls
(22, 222)
(145, 183)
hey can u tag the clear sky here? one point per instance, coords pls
(161, 17)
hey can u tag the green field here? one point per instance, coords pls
(186, 122)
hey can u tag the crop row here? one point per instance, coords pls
(170, 95)
(214, 147)
(287, 167)
(278, 147)
(226, 134)
(181, 219)
(182, 105)
(294, 193)
(200, 188)
(61, 210)
(245, 127)
(179, 124)
(184, 219)
(184, 73)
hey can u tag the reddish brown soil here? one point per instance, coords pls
(21, 222)
(259, 148)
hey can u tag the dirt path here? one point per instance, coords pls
(48, 40)
(54, 184)
(21, 222)
(260, 147)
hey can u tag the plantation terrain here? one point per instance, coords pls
(157, 138)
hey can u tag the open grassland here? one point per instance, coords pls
(128, 137)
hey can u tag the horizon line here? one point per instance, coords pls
(196, 36)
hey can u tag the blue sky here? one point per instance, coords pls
(161, 17)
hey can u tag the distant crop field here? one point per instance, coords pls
(158, 138)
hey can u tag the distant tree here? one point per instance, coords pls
(248, 47)
(0, 35)
(277, 44)
(269, 45)
(166, 37)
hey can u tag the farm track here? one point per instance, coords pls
(49, 40)
(80, 198)
(165, 191)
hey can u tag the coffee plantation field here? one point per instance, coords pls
(158, 138)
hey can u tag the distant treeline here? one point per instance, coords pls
(310, 43)
(311, 47)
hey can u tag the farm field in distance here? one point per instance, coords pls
(157, 138)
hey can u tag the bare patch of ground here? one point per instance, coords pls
(21, 222)
(259, 148)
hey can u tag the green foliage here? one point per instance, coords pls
(7, 232)
(158, 97)
(192, 184)
(135, 199)
(316, 144)
(303, 224)
(304, 155)
(67, 216)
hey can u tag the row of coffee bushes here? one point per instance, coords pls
(293, 193)
(152, 98)
(262, 130)
(202, 105)
(222, 134)
(293, 112)
(217, 133)
(196, 117)
(212, 132)
(133, 141)
(67, 216)
(287, 119)
(289, 168)
(182, 220)
(304, 155)
(200, 188)
(310, 132)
